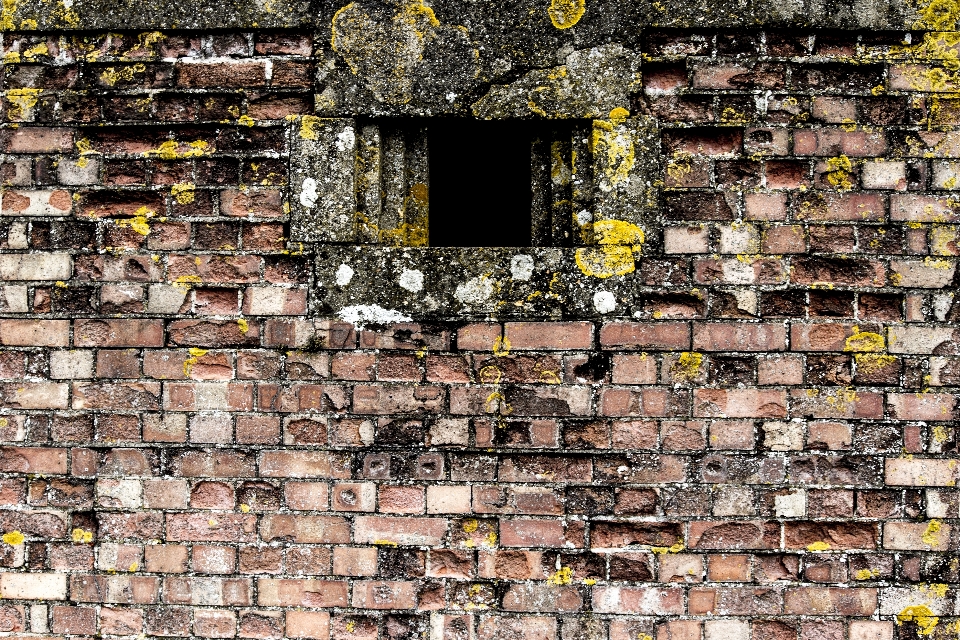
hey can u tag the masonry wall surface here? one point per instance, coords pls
(728, 410)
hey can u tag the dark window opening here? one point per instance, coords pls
(458, 182)
(480, 187)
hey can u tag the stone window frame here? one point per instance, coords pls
(364, 279)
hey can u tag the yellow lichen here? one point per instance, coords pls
(385, 543)
(183, 193)
(183, 282)
(687, 366)
(112, 76)
(819, 545)
(168, 150)
(618, 241)
(138, 222)
(866, 574)
(613, 147)
(21, 101)
(922, 616)
(13, 538)
(872, 362)
(244, 508)
(563, 575)
(501, 346)
(36, 50)
(471, 525)
(676, 548)
(937, 589)
(242, 324)
(566, 13)
(679, 166)
(246, 121)
(6, 15)
(195, 355)
(931, 535)
(839, 173)
(864, 341)
(80, 536)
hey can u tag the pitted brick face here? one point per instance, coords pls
(717, 398)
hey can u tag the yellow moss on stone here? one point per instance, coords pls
(566, 13)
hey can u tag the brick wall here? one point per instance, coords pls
(766, 448)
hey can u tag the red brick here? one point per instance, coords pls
(308, 624)
(221, 74)
(540, 533)
(830, 601)
(639, 600)
(305, 529)
(739, 337)
(38, 140)
(384, 595)
(118, 333)
(399, 530)
(655, 336)
(202, 527)
(34, 333)
(739, 403)
(479, 337)
(301, 593)
(651, 402)
(836, 142)
(548, 335)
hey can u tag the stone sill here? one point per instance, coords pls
(378, 285)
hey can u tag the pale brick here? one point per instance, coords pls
(448, 499)
(35, 266)
(33, 586)
(921, 472)
(69, 365)
(35, 203)
(919, 340)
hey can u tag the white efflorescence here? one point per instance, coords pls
(412, 280)
(521, 267)
(364, 314)
(474, 291)
(604, 302)
(344, 275)
(308, 193)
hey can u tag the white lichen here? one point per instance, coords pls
(308, 193)
(344, 275)
(474, 291)
(363, 314)
(521, 267)
(412, 280)
(604, 302)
